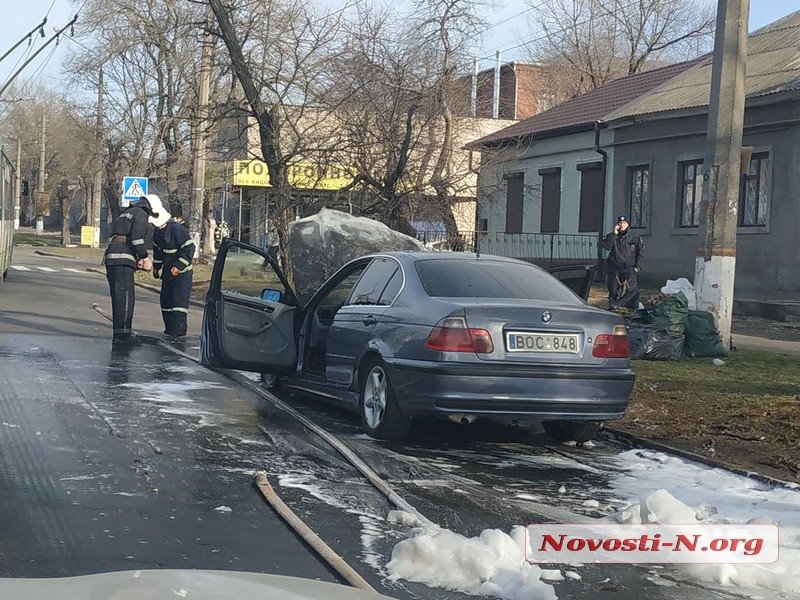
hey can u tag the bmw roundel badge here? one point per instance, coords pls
(546, 316)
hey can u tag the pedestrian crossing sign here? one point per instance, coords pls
(133, 188)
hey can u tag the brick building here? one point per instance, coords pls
(524, 90)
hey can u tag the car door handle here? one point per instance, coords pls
(369, 320)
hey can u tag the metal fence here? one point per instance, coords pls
(549, 249)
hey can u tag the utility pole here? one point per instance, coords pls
(199, 162)
(97, 192)
(39, 216)
(18, 183)
(715, 263)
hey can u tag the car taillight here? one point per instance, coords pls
(612, 346)
(451, 334)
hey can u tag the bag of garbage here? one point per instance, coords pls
(702, 335)
(649, 343)
(629, 300)
(673, 286)
(670, 313)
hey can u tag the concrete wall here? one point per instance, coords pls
(768, 258)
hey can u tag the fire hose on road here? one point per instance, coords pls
(262, 482)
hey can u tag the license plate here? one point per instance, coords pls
(518, 341)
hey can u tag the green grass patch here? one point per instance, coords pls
(746, 372)
(31, 239)
(748, 410)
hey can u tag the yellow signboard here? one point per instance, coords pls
(250, 173)
(307, 176)
(87, 236)
(320, 177)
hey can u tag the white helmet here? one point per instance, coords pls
(159, 215)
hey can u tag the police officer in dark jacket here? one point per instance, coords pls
(173, 251)
(125, 253)
(623, 263)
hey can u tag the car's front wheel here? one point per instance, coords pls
(380, 414)
(269, 381)
(572, 431)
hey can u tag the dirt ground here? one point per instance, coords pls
(745, 414)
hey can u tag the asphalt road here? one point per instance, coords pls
(135, 459)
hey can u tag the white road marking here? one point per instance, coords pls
(19, 268)
(47, 269)
(74, 270)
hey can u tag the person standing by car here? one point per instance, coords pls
(173, 251)
(623, 263)
(126, 252)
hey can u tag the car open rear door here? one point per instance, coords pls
(249, 316)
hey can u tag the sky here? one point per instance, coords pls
(510, 28)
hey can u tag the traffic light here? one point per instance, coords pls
(25, 187)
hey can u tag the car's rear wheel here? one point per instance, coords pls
(572, 431)
(381, 417)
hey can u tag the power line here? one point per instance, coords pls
(25, 54)
(52, 4)
(512, 17)
(32, 79)
(55, 38)
(544, 36)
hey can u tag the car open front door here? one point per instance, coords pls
(249, 316)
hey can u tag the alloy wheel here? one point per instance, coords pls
(375, 390)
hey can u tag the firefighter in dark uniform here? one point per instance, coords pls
(126, 252)
(623, 263)
(173, 251)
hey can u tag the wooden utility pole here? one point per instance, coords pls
(715, 264)
(201, 128)
(42, 163)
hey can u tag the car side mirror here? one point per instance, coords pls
(270, 295)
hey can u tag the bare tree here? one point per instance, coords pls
(402, 118)
(280, 53)
(69, 158)
(589, 42)
(147, 51)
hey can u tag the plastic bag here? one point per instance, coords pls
(702, 335)
(674, 286)
(670, 313)
(649, 343)
(629, 300)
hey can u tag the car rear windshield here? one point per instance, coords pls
(479, 278)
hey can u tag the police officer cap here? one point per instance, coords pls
(621, 218)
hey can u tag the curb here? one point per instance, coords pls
(638, 442)
(39, 252)
(148, 287)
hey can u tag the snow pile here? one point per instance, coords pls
(492, 564)
(782, 576)
(738, 498)
(401, 517)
